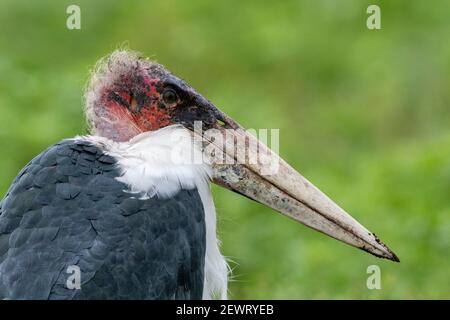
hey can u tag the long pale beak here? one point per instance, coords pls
(248, 167)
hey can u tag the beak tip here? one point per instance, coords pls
(386, 254)
(390, 255)
(383, 250)
(393, 257)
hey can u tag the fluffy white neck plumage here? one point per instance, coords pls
(159, 163)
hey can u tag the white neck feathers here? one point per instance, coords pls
(159, 163)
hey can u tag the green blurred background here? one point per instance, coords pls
(363, 114)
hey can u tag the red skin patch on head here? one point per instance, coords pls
(116, 123)
(123, 121)
(152, 85)
(152, 118)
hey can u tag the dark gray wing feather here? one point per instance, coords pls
(66, 208)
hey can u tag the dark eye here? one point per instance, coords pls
(169, 96)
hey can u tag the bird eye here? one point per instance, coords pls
(170, 96)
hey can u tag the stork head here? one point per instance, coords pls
(129, 95)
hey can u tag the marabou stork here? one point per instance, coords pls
(127, 206)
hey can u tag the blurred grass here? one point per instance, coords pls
(363, 114)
